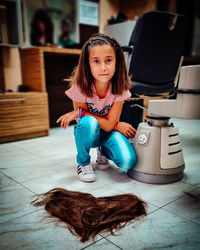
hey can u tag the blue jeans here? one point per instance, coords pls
(114, 145)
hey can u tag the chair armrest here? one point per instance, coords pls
(128, 49)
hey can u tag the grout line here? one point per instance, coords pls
(158, 208)
(29, 189)
(103, 238)
(20, 216)
(45, 175)
(178, 197)
(163, 207)
(42, 176)
(7, 176)
(113, 244)
(195, 185)
(132, 222)
(16, 182)
(182, 217)
(91, 244)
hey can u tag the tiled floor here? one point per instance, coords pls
(34, 166)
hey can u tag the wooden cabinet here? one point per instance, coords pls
(10, 68)
(43, 69)
(33, 64)
(23, 115)
(30, 114)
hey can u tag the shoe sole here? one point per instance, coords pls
(102, 166)
(86, 180)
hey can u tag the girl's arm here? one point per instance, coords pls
(112, 120)
(67, 118)
(106, 123)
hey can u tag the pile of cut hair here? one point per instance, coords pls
(86, 215)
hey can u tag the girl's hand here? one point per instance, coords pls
(67, 118)
(126, 129)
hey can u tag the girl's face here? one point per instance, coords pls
(102, 62)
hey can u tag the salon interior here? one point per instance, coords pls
(161, 44)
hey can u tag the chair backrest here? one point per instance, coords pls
(158, 40)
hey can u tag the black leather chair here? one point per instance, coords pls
(158, 42)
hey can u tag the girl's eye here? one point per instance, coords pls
(96, 61)
(109, 60)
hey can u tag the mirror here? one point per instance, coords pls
(57, 10)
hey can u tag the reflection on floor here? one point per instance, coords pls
(35, 166)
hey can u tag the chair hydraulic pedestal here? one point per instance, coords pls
(157, 142)
(158, 148)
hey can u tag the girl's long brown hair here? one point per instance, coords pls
(82, 76)
(85, 215)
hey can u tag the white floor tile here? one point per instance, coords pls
(191, 172)
(53, 151)
(11, 156)
(158, 195)
(187, 206)
(102, 244)
(111, 175)
(66, 179)
(159, 230)
(15, 201)
(41, 164)
(31, 169)
(34, 231)
(5, 181)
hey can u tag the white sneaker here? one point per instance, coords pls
(86, 173)
(102, 161)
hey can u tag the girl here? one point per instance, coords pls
(100, 85)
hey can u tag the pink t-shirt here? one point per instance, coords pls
(96, 105)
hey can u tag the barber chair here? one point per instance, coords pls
(155, 68)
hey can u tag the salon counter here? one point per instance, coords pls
(44, 70)
(33, 62)
(23, 115)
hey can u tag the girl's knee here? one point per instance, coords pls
(131, 161)
(88, 124)
(121, 151)
(128, 160)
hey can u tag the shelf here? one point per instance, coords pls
(9, 45)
